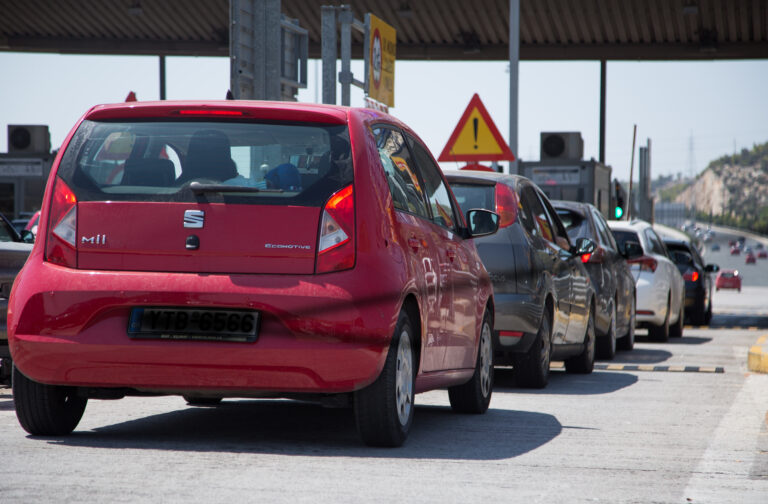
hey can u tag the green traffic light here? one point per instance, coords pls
(619, 212)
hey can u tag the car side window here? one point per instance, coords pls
(540, 223)
(435, 187)
(602, 230)
(656, 246)
(404, 184)
(559, 234)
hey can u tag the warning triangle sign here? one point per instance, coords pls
(476, 137)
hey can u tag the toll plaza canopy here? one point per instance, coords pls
(426, 29)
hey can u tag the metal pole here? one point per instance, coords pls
(328, 52)
(514, 78)
(162, 77)
(602, 110)
(345, 77)
(631, 173)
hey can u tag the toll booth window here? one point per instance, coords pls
(404, 185)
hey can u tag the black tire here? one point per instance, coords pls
(202, 401)
(584, 363)
(606, 345)
(627, 342)
(475, 395)
(699, 315)
(532, 368)
(708, 315)
(661, 333)
(46, 410)
(676, 329)
(384, 410)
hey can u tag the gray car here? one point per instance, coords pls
(14, 250)
(611, 277)
(545, 304)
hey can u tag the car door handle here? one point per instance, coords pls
(414, 243)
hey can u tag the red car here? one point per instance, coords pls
(735, 250)
(750, 258)
(762, 254)
(728, 279)
(251, 249)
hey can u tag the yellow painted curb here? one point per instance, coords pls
(757, 360)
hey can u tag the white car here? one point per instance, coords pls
(659, 285)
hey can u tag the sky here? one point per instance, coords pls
(714, 106)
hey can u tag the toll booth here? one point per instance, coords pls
(563, 175)
(24, 170)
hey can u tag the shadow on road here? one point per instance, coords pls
(598, 382)
(738, 320)
(296, 428)
(641, 355)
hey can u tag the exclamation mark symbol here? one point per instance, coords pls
(474, 123)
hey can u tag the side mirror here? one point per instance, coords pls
(482, 222)
(27, 236)
(711, 268)
(632, 250)
(583, 246)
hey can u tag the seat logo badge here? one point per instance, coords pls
(99, 239)
(194, 219)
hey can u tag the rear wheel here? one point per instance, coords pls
(606, 345)
(46, 410)
(532, 368)
(584, 363)
(627, 342)
(708, 315)
(475, 395)
(384, 410)
(661, 333)
(676, 329)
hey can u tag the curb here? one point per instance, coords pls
(757, 360)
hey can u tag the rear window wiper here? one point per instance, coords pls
(199, 188)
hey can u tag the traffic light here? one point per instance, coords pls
(620, 198)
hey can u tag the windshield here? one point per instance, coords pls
(275, 163)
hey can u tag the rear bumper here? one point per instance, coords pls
(320, 333)
(650, 298)
(515, 313)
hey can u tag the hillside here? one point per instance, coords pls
(732, 189)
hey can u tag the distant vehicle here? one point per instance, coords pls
(698, 281)
(610, 274)
(660, 286)
(544, 300)
(762, 254)
(732, 243)
(750, 258)
(728, 279)
(747, 250)
(735, 250)
(715, 247)
(759, 246)
(14, 249)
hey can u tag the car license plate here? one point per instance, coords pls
(193, 324)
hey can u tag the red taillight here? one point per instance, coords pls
(336, 242)
(596, 257)
(646, 263)
(691, 276)
(61, 244)
(506, 205)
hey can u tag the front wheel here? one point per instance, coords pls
(676, 329)
(46, 410)
(606, 346)
(475, 395)
(661, 333)
(532, 368)
(384, 410)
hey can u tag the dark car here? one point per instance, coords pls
(545, 304)
(14, 249)
(611, 277)
(698, 281)
(171, 263)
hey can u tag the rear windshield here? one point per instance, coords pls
(575, 224)
(623, 237)
(471, 196)
(273, 163)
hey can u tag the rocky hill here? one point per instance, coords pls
(732, 189)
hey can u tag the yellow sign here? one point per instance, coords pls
(381, 45)
(476, 137)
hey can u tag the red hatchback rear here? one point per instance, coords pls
(250, 249)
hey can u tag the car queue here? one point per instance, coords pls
(310, 252)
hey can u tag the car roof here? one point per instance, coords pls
(634, 225)
(577, 206)
(483, 177)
